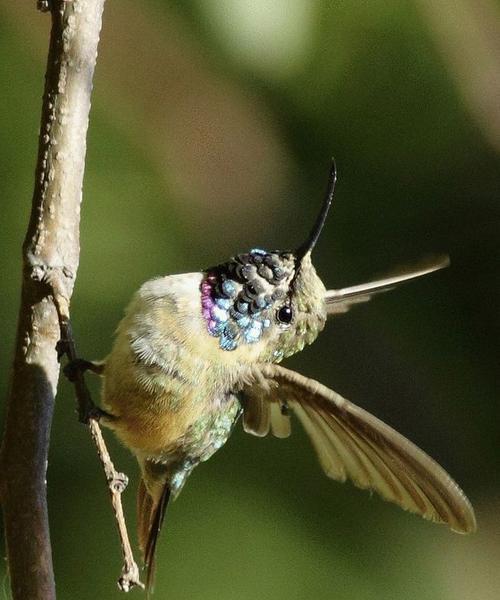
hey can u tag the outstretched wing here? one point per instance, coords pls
(340, 301)
(353, 444)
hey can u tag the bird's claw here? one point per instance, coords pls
(76, 366)
(92, 413)
(61, 349)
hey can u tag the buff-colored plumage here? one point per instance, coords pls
(164, 368)
(169, 389)
(195, 350)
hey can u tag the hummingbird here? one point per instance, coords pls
(197, 351)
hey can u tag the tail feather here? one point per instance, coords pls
(150, 516)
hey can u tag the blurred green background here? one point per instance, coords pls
(212, 127)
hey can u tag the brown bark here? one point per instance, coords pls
(50, 258)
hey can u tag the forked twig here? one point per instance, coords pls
(89, 414)
(117, 482)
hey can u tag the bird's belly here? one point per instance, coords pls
(210, 431)
(178, 423)
(151, 424)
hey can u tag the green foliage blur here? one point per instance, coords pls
(212, 127)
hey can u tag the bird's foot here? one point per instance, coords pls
(74, 370)
(95, 413)
(80, 365)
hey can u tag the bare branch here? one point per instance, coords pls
(117, 482)
(89, 414)
(50, 253)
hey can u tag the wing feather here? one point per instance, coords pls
(353, 444)
(328, 455)
(261, 417)
(257, 416)
(341, 300)
(281, 425)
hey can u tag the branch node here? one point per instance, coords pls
(129, 578)
(38, 273)
(67, 272)
(118, 483)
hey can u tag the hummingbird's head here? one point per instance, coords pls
(271, 300)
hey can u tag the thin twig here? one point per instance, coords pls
(89, 414)
(117, 482)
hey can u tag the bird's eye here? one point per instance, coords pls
(284, 314)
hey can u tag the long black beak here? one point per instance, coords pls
(309, 244)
